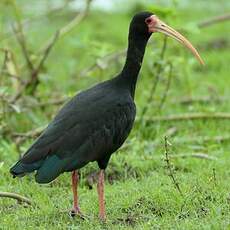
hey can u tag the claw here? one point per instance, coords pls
(102, 218)
(76, 212)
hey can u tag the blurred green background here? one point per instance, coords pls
(87, 41)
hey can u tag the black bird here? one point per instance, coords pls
(96, 122)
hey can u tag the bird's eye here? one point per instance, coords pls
(148, 20)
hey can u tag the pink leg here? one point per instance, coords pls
(100, 190)
(75, 179)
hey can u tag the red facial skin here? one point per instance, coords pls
(151, 22)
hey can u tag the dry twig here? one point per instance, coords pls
(70, 26)
(19, 198)
(201, 100)
(194, 155)
(48, 103)
(22, 42)
(188, 117)
(214, 176)
(214, 20)
(33, 81)
(163, 98)
(202, 139)
(31, 133)
(102, 62)
(156, 80)
(170, 170)
(171, 131)
(28, 22)
(19, 138)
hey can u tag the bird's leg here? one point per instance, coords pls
(75, 179)
(101, 198)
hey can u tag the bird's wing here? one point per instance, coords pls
(83, 117)
(93, 141)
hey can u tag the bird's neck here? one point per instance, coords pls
(131, 69)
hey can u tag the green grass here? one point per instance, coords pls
(139, 192)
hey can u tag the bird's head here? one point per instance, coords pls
(145, 23)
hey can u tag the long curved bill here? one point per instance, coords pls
(157, 25)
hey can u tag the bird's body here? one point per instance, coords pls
(90, 127)
(96, 122)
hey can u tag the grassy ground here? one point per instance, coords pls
(140, 193)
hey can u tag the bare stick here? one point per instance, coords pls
(163, 99)
(188, 117)
(205, 99)
(156, 80)
(5, 51)
(34, 77)
(170, 170)
(47, 50)
(31, 133)
(27, 22)
(18, 30)
(22, 81)
(3, 64)
(21, 137)
(164, 47)
(50, 102)
(19, 198)
(38, 104)
(214, 176)
(22, 42)
(34, 81)
(102, 62)
(202, 139)
(171, 131)
(72, 24)
(195, 155)
(214, 20)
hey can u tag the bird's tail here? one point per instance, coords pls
(47, 169)
(20, 169)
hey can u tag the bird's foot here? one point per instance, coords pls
(75, 211)
(102, 217)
